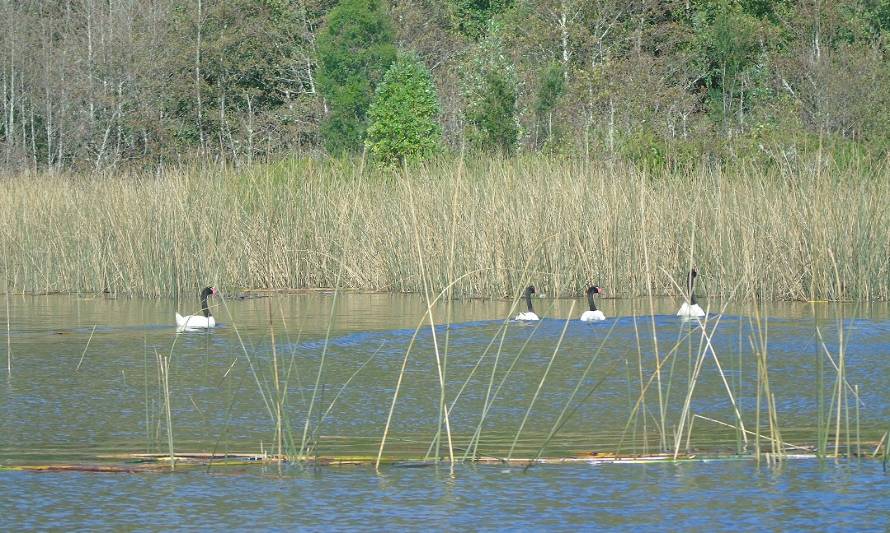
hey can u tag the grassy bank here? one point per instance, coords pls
(817, 232)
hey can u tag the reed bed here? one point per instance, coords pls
(566, 222)
(471, 228)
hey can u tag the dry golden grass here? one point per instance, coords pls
(560, 223)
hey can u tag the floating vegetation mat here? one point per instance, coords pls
(132, 463)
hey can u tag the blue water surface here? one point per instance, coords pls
(725, 496)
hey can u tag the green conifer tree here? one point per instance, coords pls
(404, 114)
(355, 48)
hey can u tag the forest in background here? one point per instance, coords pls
(98, 84)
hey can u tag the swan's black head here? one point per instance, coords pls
(528, 297)
(208, 291)
(690, 283)
(594, 290)
(690, 279)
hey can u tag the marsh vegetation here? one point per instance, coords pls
(814, 231)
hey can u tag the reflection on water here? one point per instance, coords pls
(803, 495)
(221, 395)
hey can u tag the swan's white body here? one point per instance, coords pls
(192, 322)
(203, 321)
(528, 316)
(690, 311)
(592, 316)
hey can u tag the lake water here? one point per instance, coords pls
(223, 399)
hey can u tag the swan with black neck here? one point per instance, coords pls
(203, 321)
(528, 316)
(691, 309)
(593, 314)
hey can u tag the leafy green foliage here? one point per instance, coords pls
(355, 49)
(728, 50)
(491, 91)
(404, 114)
(657, 83)
(471, 17)
(247, 51)
(877, 13)
(764, 9)
(552, 87)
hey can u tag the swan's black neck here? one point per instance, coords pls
(204, 309)
(528, 297)
(590, 300)
(690, 281)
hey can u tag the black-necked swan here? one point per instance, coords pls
(203, 321)
(691, 309)
(593, 314)
(530, 314)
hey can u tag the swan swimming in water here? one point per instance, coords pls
(203, 321)
(691, 309)
(593, 314)
(530, 314)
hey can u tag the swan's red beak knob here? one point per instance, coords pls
(213, 291)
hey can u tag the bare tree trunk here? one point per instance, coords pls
(723, 90)
(118, 124)
(33, 139)
(24, 150)
(817, 32)
(49, 127)
(222, 124)
(198, 77)
(310, 37)
(742, 105)
(10, 113)
(88, 6)
(564, 34)
(311, 77)
(47, 102)
(249, 130)
(549, 126)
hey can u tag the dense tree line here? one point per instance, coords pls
(99, 83)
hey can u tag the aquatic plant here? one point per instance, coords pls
(282, 226)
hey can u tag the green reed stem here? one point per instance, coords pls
(562, 414)
(324, 353)
(439, 362)
(642, 388)
(820, 384)
(661, 404)
(256, 377)
(541, 384)
(145, 379)
(164, 367)
(858, 435)
(343, 388)
(85, 348)
(473, 443)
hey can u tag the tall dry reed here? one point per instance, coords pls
(570, 222)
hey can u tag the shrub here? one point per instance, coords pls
(355, 49)
(404, 114)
